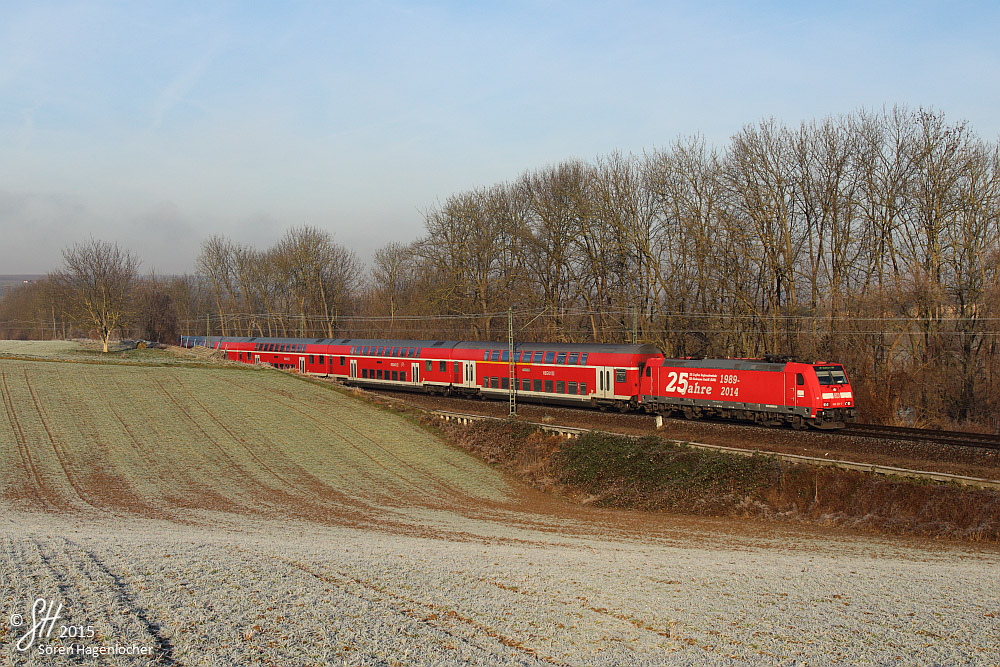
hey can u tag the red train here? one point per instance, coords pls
(624, 377)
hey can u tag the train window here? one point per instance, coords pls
(458, 367)
(495, 383)
(828, 375)
(505, 356)
(505, 383)
(486, 383)
(395, 375)
(537, 359)
(800, 379)
(311, 359)
(574, 359)
(560, 387)
(526, 385)
(583, 388)
(341, 361)
(443, 366)
(549, 356)
(378, 374)
(486, 355)
(548, 386)
(619, 375)
(572, 388)
(364, 351)
(402, 376)
(649, 371)
(583, 359)
(561, 358)
(428, 365)
(395, 352)
(495, 355)
(536, 385)
(364, 373)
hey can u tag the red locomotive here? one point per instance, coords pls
(764, 391)
(624, 377)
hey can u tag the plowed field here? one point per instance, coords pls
(223, 515)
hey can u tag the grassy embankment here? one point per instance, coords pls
(654, 474)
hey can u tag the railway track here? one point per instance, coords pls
(949, 438)
(980, 440)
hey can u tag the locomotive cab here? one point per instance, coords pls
(832, 397)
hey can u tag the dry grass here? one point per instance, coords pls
(653, 474)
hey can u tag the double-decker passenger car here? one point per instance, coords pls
(568, 373)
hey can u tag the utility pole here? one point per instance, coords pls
(635, 325)
(511, 380)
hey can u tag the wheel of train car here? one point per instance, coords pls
(797, 423)
(689, 412)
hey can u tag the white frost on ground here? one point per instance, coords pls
(259, 592)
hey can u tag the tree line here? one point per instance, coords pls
(872, 239)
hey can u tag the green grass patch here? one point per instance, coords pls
(654, 473)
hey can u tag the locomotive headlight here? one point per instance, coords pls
(826, 404)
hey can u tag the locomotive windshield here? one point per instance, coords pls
(830, 375)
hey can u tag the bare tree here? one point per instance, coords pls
(96, 283)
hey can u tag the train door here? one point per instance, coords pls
(354, 368)
(256, 358)
(470, 374)
(302, 365)
(415, 372)
(796, 388)
(605, 382)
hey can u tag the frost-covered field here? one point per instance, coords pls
(91, 351)
(225, 516)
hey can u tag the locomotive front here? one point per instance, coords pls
(833, 398)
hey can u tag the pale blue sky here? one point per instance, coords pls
(158, 123)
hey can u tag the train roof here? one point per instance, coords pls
(448, 344)
(727, 364)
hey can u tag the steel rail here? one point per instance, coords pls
(574, 432)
